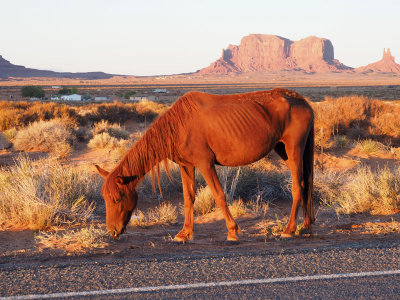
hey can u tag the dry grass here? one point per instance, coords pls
(370, 146)
(74, 240)
(20, 114)
(238, 208)
(164, 213)
(354, 116)
(204, 201)
(367, 191)
(47, 136)
(45, 194)
(114, 130)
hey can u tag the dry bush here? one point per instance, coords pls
(44, 194)
(47, 136)
(354, 116)
(238, 208)
(164, 213)
(113, 130)
(150, 108)
(367, 191)
(20, 114)
(102, 140)
(74, 240)
(10, 133)
(204, 201)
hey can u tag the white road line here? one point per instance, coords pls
(202, 285)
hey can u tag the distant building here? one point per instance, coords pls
(101, 98)
(55, 97)
(139, 98)
(160, 91)
(56, 87)
(73, 97)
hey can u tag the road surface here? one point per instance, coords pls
(364, 270)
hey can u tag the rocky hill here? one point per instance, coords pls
(261, 52)
(385, 65)
(8, 69)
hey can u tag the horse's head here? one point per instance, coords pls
(119, 193)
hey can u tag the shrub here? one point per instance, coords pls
(44, 194)
(47, 136)
(74, 240)
(164, 213)
(368, 191)
(113, 130)
(204, 202)
(370, 146)
(237, 208)
(32, 91)
(102, 141)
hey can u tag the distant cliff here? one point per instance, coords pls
(8, 69)
(261, 52)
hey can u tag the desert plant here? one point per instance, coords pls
(367, 191)
(113, 130)
(102, 140)
(32, 91)
(204, 201)
(47, 136)
(238, 208)
(164, 213)
(370, 146)
(43, 194)
(74, 240)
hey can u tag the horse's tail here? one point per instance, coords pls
(308, 174)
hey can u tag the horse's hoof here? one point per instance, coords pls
(305, 231)
(231, 243)
(285, 235)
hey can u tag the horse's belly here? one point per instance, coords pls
(235, 152)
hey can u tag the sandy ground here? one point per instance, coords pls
(259, 232)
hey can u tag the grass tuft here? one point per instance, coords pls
(45, 194)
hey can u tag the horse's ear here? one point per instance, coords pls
(102, 172)
(125, 179)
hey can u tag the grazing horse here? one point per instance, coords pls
(203, 130)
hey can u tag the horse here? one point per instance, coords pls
(203, 130)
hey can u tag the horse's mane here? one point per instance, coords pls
(156, 145)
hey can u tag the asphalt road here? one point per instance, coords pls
(349, 271)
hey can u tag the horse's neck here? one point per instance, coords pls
(146, 153)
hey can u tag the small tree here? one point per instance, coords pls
(74, 90)
(65, 91)
(32, 91)
(129, 94)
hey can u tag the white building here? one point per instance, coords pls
(73, 97)
(160, 91)
(101, 98)
(139, 98)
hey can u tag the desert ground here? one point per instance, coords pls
(357, 179)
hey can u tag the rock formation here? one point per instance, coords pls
(261, 52)
(8, 69)
(385, 65)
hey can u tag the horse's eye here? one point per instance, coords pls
(117, 200)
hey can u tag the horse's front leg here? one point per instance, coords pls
(188, 186)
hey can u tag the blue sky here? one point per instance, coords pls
(152, 37)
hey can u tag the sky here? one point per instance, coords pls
(162, 37)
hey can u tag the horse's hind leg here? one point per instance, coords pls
(294, 162)
(187, 174)
(210, 176)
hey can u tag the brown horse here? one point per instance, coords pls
(203, 130)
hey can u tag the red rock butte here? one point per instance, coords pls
(385, 65)
(262, 52)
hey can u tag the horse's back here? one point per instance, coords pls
(238, 128)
